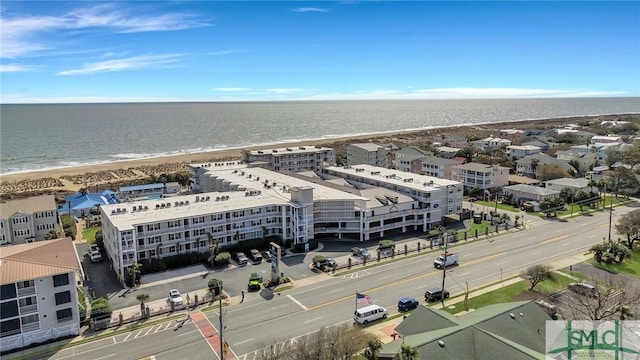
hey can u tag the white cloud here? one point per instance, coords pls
(7, 68)
(309, 9)
(231, 89)
(132, 63)
(283, 91)
(242, 94)
(24, 34)
(224, 52)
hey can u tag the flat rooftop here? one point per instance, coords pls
(394, 177)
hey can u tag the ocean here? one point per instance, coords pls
(45, 136)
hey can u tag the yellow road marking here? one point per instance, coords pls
(344, 298)
(555, 239)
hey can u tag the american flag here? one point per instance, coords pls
(362, 299)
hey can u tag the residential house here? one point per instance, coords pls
(433, 166)
(597, 173)
(481, 176)
(542, 144)
(514, 330)
(455, 141)
(370, 154)
(490, 143)
(516, 152)
(530, 164)
(511, 134)
(522, 192)
(608, 139)
(572, 185)
(38, 297)
(585, 160)
(404, 157)
(293, 158)
(28, 220)
(78, 205)
(447, 152)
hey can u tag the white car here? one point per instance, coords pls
(95, 256)
(175, 297)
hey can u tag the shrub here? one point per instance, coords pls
(100, 308)
(222, 258)
(386, 244)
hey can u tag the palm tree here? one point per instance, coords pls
(534, 166)
(407, 352)
(134, 270)
(374, 346)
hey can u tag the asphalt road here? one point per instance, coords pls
(265, 320)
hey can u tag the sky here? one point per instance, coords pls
(148, 51)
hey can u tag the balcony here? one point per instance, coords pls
(26, 291)
(30, 327)
(27, 309)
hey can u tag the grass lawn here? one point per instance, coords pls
(514, 292)
(89, 234)
(479, 205)
(631, 266)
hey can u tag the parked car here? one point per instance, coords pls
(95, 256)
(267, 255)
(255, 255)
(435, 294)
(175, 297)
(406, 304)
(325, 262)
(358, 251)
(583, 289)
(241, 259)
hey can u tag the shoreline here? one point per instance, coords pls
(71, 179)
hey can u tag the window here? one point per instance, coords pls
(8, 291)
(10, 327)
(63, 297)
(61, 280)
(64, 314)
(9, 309)
(29, 319)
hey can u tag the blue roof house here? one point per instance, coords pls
(78, 205)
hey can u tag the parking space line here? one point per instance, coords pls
(138, 334)
(125, 339)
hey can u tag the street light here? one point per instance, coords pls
(222, 352)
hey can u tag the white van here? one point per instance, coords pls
(370, 313)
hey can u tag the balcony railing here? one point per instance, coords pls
(26, 309)
(31, 327)
(27, 291)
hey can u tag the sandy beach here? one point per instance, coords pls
(112, 174)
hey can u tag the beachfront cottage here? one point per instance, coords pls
(39, 298)
(294, 158)
(28, 220)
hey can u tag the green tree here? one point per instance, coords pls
(100, 308)
(581, 197)
(536, 274)
(629, 225)
(407, 352)
(374, 345)
(215, 286)
(134, 271)
(51, 235)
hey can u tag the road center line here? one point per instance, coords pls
(244, 341)
(297, 302)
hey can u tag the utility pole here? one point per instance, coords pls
(610, 218)
(444, 270)
(222, 351)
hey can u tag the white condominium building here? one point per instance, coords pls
(294, 158)
(435, 197)
(38, 296)
(28, 220)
